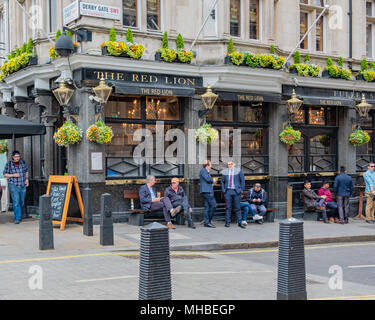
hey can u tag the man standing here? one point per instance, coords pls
(207, 190)
(256, 196)
(150, 202)
(176, 194)
(343, 188)
(18, 174)
(369, 178)
(232, 184)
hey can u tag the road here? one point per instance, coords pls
(237, 274)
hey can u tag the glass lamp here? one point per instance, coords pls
(63, 94)
(294, 103)
(363, 108)
(209, 98)
(102, 91)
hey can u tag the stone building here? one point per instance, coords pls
(250, 99)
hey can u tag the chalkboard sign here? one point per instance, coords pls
(58, 195)
(60, 189)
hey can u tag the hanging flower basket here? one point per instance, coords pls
(99, 133)
(359, 137)
(325, 140)
(3, 146)
(68, 134)
(206, 134)
(290, 136)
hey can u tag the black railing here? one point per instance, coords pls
(363, 160)
(125, 167)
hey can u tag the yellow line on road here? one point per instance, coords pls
(180, 253)
(369, 297)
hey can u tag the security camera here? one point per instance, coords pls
(295, 81)
(94, 99)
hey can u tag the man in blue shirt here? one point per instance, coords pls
(18, 179)
(369, 178)
(232, 184)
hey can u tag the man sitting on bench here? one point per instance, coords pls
(178, 198)
(312, 201)
(257, 198)
(150, 202)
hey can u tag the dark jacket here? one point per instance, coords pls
(145, 197)
(172, 195)
(252, 195)
(309, 198)
(206, 181)
(238, 180)
(343, 186)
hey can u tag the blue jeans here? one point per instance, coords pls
(246, 207)
(321, 204)
(333, 205)
(18, 195)
(209, 207)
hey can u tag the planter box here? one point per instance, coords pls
(160, 59)
(227, 60)
(360, 77)
(325, 74)
(293, 70)
(33, 61)
(106, 53)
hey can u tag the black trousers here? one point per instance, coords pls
(184, 203)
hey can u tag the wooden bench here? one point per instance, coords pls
(137, 216)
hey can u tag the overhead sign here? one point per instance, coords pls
(100, 11)
(71, 12)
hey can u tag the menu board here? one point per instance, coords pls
(58, 197)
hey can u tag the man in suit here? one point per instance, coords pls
(176, 194)
(232, 184)
(207, 191)
(150, 202)
(343, 188)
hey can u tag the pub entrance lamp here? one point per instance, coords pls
(63, 94)
(363, 108)
(208, 99)
(102, 93)
(294, 104)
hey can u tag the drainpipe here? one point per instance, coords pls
(350, 14)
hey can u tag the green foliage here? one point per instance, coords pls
(272, 49)
(364, 65)
(69, 34)
(372, 65)
(230, 46)
(307, 58)
(329, 62)
(112, 35)
(297, 57)
(180, 42)
(340, 62)
(58, 34)
(290, 136)
(30, 46)
(129, 35)
(165, 40)
(24, 48)
(18, 52)
(359, 137)
(12, 54)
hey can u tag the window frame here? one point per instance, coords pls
(160, 8)
(370, 21)
(49, 17)
(259, 21)
(138, 16)
(240, 18)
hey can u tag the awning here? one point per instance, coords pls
(145, 90)
(18, 128)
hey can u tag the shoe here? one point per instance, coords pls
(227, 225)
(259, 221)
(369, 221)
(175, 211)
(16, 222)
(326, 221)
(244, 223)
(331, 220)
(347, 220)
(337, 220)
(257, 217)
(192, 226)
(241, 226)
(341, 222)
(171, 226)
(210, 225)
(320, 208)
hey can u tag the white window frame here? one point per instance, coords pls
(372, 29)
(49, 17)
(139, 16)
(161, 18)
(241, 24)
(260, 31)
(307, 27)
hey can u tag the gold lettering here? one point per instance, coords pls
(144, 78)
(191, 81)
(112, 76)
(153, 79)
(135, 78)
(120, 76)
(145, 91)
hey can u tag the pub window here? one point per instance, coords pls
(254, 151)
(129, 9)
(319, 34)
(316, 115)
(235, 18)
(370, 7)
(254, 19)
(153, 14)
(52, 15)
(304, 20)
(365, 152)
(126, 114)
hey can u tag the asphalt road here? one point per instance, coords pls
(237, 274)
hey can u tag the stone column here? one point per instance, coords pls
(278, 159)
(346, 153)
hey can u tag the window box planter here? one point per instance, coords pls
(360, 77)
(325, 74)
(106, 53)
(293, 70)
(160, 59)
(228, 60)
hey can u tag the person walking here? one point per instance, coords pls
(343, 188)
(17, 173)
(207, 191)
(232, 185)
(369, 178)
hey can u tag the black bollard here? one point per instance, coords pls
(88, 226)
(291, 281)
(45, 223)
(106, 222)
(154, 264)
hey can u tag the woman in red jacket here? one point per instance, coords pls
(329, 203)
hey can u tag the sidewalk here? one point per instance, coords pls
(23, 239)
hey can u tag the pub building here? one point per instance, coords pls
(144, 92)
